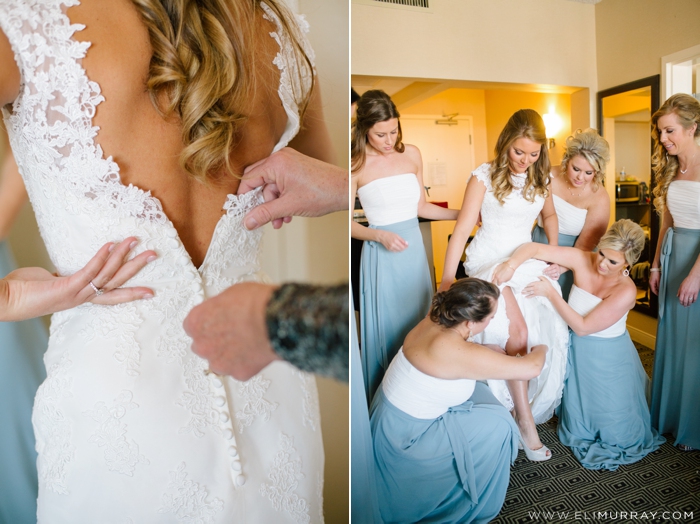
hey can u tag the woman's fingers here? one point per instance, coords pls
(129, 269)
(115, 261)
(121, 295)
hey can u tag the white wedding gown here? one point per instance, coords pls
(505, 228)
(129, 428)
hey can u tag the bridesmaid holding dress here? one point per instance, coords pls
(675, 272)
(395, 285)
(604, 415)
(580, 200)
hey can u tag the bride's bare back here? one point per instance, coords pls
(144, 145)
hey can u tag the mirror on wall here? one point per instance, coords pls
(624, 119)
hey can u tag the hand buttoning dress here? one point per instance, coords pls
(443, 447)
(395, 286)
(505, 228)
(676, 378)
(571, 222)
(604, 414)
(129, 428)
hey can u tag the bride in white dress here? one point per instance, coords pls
(510, 193)
(130, 426)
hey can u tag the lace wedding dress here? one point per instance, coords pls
(129, 427)
(505, 227)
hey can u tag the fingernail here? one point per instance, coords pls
(147, 295)
(111, 247)
(133, 244)
(251, 223)
(151, 258)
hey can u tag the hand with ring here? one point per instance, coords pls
(32, 292)
(541, 287)
(554, 271)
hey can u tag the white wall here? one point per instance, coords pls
(543, 41)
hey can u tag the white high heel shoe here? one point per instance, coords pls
(534, 455)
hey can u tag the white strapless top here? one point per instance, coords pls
(683, 201)
(584, 302)
(390, 199)
(571, 218)
(421, 395)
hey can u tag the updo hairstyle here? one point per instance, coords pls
(624, 236)
(469, 299)
(593, 148)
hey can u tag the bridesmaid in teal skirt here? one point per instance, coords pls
(583, 208)
(443, 444)
(675, 273)
(604, 416)
(22, 347)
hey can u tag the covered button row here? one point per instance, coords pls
(236, 467)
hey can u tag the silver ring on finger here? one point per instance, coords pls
(98, 291)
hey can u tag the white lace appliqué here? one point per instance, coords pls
(188, 501)
(283, 480)
(54, 428)
(121, 453)
(309, 406)
(252, 392)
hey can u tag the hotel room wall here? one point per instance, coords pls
(495, 41)
(633, 35)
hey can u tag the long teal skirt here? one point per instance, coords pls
(454, 468)
(396, 293)
(604, 415)
(675, 398)
(22, 347)
(566, 280)
(364, 503)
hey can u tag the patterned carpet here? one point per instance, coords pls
(663, 487)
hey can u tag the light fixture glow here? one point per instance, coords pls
(552, 124)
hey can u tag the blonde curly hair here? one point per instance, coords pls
(526, 123)
(665, 166)
(625, 236)
(203, 72)
(593, 148)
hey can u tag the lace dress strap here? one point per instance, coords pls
(483, 174)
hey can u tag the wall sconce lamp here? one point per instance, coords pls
(552, 124)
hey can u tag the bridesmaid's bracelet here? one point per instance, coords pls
(655, 270)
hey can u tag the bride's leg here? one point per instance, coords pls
(517, 345)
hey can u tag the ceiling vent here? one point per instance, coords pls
(417, 5)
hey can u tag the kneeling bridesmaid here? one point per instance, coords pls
(604, 414)
(443, 444)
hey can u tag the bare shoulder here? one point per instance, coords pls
(412, 152)
(10, 77)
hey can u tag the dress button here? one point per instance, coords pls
(235, 465)
(220, 401)
(223, 417)
(240, 480)
(228, 434)
(197, 299)
(172, 232)
(172, 242)
(183, 260)
(217, 381)
(190, 275)
(196, 287)
(232, 451)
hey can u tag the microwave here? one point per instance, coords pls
(631, 191)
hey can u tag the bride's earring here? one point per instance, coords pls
(470, 337)
(626, 272)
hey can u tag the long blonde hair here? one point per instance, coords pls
(373, 106)
(203, 71)
(526, 123)
(665, 166)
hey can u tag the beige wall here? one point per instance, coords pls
(633, 35)
(496, 41)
